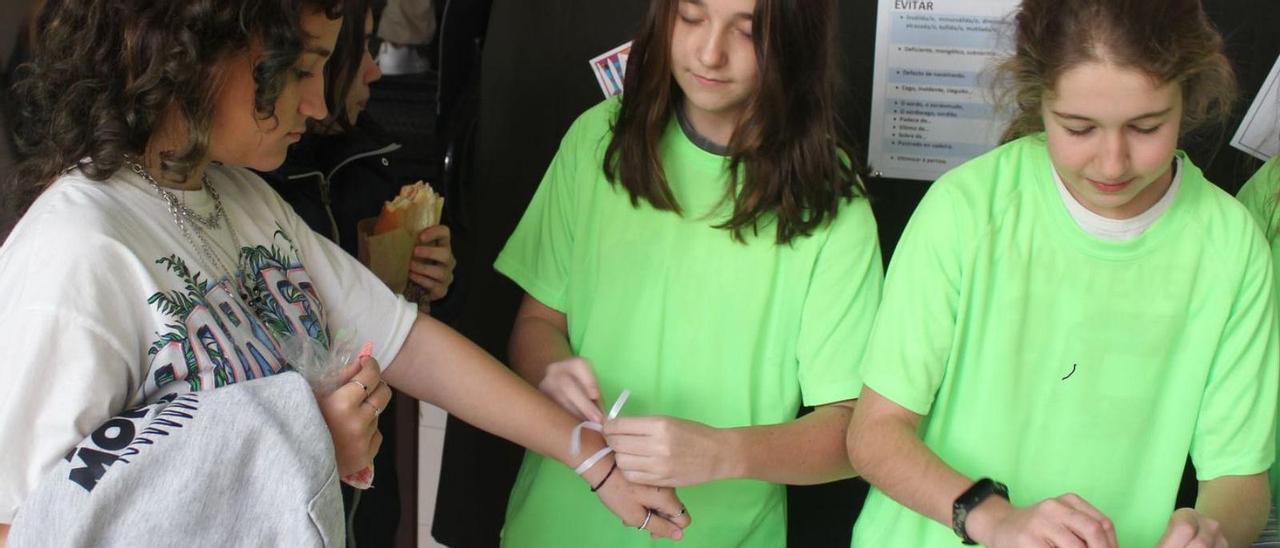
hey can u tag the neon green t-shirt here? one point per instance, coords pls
(1260, 196)
(1057, 362)
(696, 325)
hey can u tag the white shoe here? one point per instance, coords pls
(396, 60)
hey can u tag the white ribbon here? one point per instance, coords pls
(575, 442)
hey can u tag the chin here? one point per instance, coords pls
(268, 162)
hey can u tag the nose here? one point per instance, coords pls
(312, 104)
(711, 48)
(1113, 159)
(371, 71)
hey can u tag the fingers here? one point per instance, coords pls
(572, 384)
(378, 399)
(578, 402)
(1091, 524)
(344, 375)
(440, 235)
(666, 504)
(433, 254)
(581, 372)
(658, 526)
(1190, 530)
(435, 289)
(375, 443)
(632, 426)
(1063, 537)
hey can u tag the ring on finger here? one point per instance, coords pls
(647, 516)
(362, 386)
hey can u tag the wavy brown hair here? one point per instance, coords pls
(789, 159)
(1172, 41)
(104, 71)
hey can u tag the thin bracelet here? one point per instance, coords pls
(606, 477)
(592, 460)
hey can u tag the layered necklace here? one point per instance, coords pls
(195, 227)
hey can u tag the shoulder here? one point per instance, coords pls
(76, 206)
(1000, 171)
(594, 126)
(1224, 222)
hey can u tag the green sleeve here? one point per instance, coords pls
(1235, 430)
(538, 254)
(840, 307)
(1260, 195)
(911, 339)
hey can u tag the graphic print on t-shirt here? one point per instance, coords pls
(215, 338)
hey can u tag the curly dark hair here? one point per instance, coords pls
(104, 71)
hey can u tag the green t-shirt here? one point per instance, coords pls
(1259, 195)
(1057, 362)
(696, 325)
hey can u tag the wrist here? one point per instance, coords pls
(596, 474)
(731, 454)
(982, 521)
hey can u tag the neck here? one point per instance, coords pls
(194, 180)
(717, 128)
(171, 134)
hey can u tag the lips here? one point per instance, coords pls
(1109, 187)
(707, 81)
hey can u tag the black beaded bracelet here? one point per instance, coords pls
(606, 477)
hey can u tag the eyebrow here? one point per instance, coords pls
(322, 52)
(1068, 116)
(740, 15)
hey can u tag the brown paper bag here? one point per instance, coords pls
(389, 254)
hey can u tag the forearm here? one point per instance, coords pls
(440, 366)
(889, 454)
(4, 534)
(1238, 503)
(535, 344)
(806, 451)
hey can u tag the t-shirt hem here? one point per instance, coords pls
(399, 333)
(1243, 469)
(824, 397)
(527, 281)
(894, 394)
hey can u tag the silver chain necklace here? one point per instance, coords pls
(202, 242)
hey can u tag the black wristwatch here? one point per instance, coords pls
(969, 500)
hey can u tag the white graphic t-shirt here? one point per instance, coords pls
(106, 305)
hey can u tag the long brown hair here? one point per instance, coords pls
(104, 71)
(1170, 40)
(344, 63)
(789, 160)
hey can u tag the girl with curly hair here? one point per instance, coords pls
(153, 262)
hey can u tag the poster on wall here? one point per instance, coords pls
(932, 104)
(1259, 132)
(610, 69)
